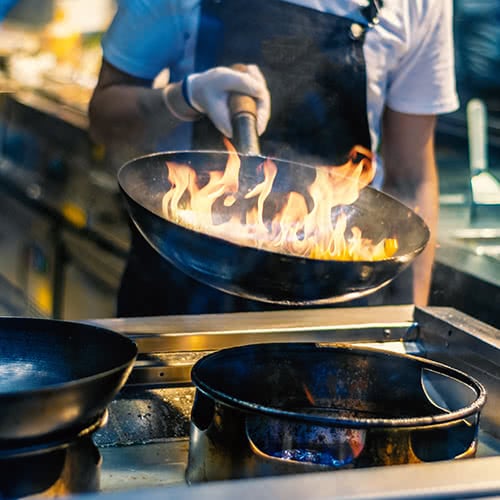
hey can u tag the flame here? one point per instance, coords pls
(308, 394)
(295, 228)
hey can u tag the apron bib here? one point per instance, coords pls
(315, 70)
(314, 67)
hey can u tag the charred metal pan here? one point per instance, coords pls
(56, 376)
(268, 409)
(262, 274)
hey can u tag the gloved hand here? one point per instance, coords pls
(208, 93)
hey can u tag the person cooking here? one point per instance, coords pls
(326, 75)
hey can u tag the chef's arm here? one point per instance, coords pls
(124, 108)
(411, 176)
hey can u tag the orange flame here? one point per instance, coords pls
(308, 394)
(217, 208)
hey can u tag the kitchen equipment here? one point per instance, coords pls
(67, 229)
(57, 376)
(485, 187)
(61, 464)
(145, 443)
(269, 409)
(261, 274)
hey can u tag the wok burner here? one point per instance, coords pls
(52, 465)
(160, 400)
(284, 408)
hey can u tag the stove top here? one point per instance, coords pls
(145, 442)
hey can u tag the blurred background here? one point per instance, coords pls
(63, 226)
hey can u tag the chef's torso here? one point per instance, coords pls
(404, 69)
(314, 66)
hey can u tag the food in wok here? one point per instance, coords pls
(308, 224)
(269, 229)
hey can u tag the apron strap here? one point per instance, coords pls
(370, 12)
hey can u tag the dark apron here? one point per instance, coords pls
(315, 70)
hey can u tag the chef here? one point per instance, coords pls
(326, 75)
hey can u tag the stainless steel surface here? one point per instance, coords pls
(460, 341)
(482, 241)
(135, 472)
(162, 465)
(485, 187)
(155, 467)
(443, 480)
(460, 242)
(214, 331)
(467, 281)
(467, 271)
(194, 336)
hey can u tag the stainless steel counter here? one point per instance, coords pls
(467, 271)
(437, 481)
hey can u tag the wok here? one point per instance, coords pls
(56, 376)
(261, 274)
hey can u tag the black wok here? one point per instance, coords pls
(57, 375)
(260, 274)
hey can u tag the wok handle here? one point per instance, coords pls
(243, 110)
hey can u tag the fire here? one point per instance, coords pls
(308, 394)
(215, 206)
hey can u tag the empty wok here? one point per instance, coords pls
(56, 376)
(262, 274)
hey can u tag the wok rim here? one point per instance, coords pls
(73, 382)
(441, 420)
(403, 258)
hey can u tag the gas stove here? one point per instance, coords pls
(144, 445)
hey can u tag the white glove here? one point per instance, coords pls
(208, 93)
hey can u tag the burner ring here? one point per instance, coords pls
(43, 444)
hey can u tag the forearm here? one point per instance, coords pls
(424, 200)
(130, 114)
(411, 176)
(427, 206)
(126, 111)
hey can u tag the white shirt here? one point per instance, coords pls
(409, 54)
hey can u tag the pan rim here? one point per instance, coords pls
(71, 383)
(445, 419)
(212, 152)
(402, 258)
